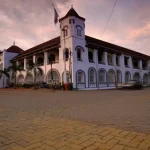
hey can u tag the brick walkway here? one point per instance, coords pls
(19, 131)
(35, 120)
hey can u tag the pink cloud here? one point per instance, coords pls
(143, 31)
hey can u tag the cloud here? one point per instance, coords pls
(140, 32)
(32, 22)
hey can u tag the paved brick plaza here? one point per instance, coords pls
(90, 120)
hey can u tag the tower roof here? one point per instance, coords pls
(14, 49)
(72, 12)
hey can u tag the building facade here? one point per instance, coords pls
(85, 61)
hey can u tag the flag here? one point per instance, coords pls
(55, 15)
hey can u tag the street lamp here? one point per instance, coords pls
(51, 63)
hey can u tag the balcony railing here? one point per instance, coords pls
(40, 64)
(91, 61)
(54, 62)
(145, 68)
(101, 62)
(126, 65)
(136, 67)
(79, 59)
(110, 63)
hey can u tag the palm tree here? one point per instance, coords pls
(4, 72)
(14, 68)
(34, 67)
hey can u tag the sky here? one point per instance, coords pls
(31, 22)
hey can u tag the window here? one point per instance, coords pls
(135, 64)
(144, 65)
(67, 77)
(40, 61)
(110, 59)
(127, 76)
(126, 61)
(65, 32)
(79, 32)
(79, 54)
(111, 76)
(100, 57)
(102, 76)
(67, 54)
(51, 58)
(53, 77)
(117, 60)
(92, 76)
(90, 55)
(80, 77)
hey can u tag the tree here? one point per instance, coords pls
(14, 68)
(4, 72)
(34, 67)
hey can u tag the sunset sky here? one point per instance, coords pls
(32, 21)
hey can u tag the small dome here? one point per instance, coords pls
(14, 49)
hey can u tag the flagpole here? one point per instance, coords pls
(62, 26)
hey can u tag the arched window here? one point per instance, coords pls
(67, 77)
(20, 79)
(137, 77)
(79, 58)
(79, 30)
(92, 75)
(101, 76)
(111, 76)
(127, 76)
(145, 79)
(119, 76)
(53, 77)
(39, 78)
(80, 77)
(29, 78)
(65, 31)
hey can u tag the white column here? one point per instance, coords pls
(65, 74)
(17, 63)
(25, 63)
(45, 64)
(122, 60)
(140, 64)
(96, 56)
(130, 62)
(105, 58)
(114, 59)
(34, 57)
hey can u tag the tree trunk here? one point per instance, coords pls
(34, 80)
(3, 80)
(15, 82)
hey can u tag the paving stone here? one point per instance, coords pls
(117, 147)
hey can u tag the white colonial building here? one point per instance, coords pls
(85, 61)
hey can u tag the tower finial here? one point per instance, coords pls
(71, 6)
(14, 40)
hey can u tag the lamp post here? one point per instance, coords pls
(70, 66)
(51, 63)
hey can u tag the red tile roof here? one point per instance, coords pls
(14, 49)
(72, 12)
(91, 42)
(98, 44)
(39, 47)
